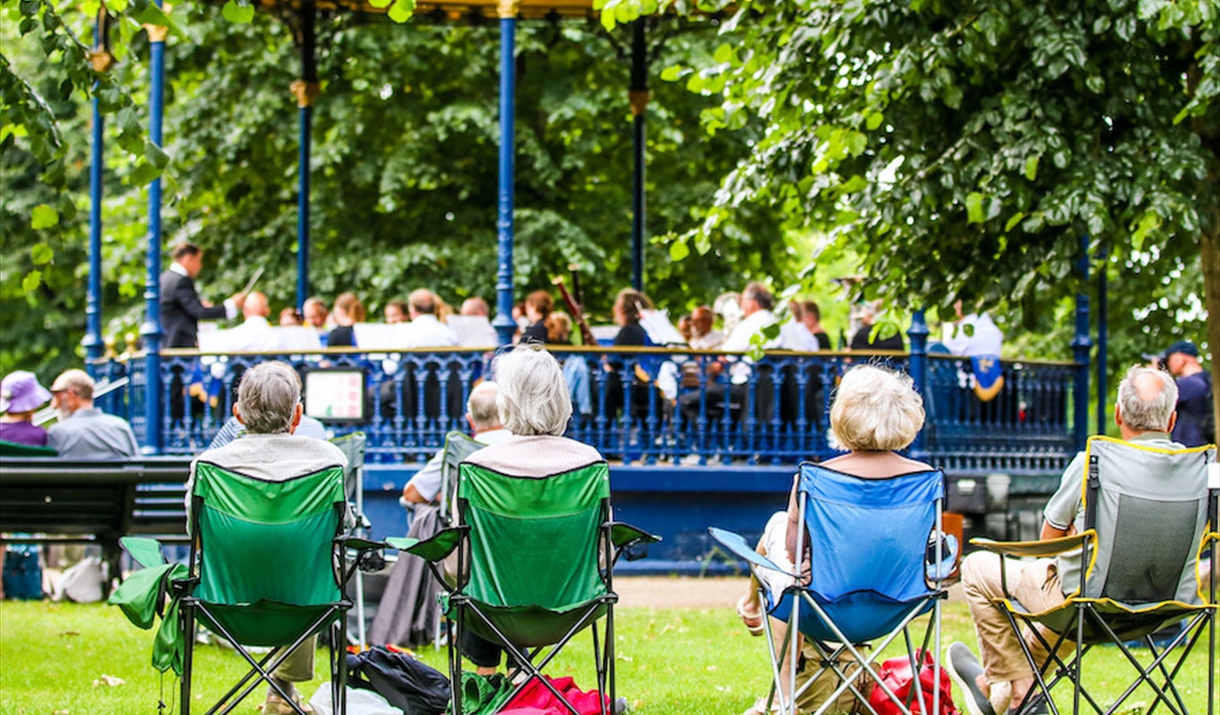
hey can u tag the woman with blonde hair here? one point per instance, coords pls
(876, 413)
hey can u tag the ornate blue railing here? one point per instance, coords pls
(645, 406)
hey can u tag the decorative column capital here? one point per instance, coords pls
(101, 59)
(639, 100)
(506, 9)
(305, 92)
(156, 33)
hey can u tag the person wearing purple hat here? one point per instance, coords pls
(20, 397)
(1196, 425)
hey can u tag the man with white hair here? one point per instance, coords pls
(408, 614)
(1145, 415)
(84, 431)
(269, 405)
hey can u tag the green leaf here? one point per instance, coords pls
(44, 217)
(41, 253)
(150, 14)
(1016, 219)
(402, 10)
(1031, 168)
(155, 155)
(974, 208)
(143, 174)
(678, 250)
(672, 73)
(238, 13)
(32, 280)
(874, 120)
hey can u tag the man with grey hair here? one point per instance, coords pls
(1145, 415)
(408, 613)
(269, 405)
(84, 431)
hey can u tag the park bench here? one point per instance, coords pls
(51, 500)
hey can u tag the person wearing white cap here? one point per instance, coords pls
(84, 431)
(20, 397)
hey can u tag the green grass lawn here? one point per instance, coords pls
(670, 662)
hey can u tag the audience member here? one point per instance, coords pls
(84, 431)
(408, 613)
(348, 311)
(291, 317)
(1196, 425)
(269, 405)
(811, 315)
(20, 397)
(703, 335)
(876, 414)
(538, 305)
(533, 404)
(863, 340)
(1145, 415)
(396, 312)
(181, 308)
(233, 428)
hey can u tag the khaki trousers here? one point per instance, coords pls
(1035, 584)
(298, 666)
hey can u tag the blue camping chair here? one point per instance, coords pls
(875, 569)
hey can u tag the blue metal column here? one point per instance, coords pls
(503, 322)
(1103, 337)
(919, 373)
(639, 107)
(306, 90)
(101, 59)
(1081, 346)
(151, 331)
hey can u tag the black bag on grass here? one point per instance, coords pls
(406, 683)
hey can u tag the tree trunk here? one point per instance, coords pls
(1210, 249)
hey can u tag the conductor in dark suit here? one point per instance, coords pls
(181, 308)
(181, 311)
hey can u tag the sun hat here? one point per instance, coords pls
(20, 392)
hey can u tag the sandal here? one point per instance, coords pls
(753, 620)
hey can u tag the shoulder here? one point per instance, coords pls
(536, 456)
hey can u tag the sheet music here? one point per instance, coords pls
(473, 331)
(660, 330)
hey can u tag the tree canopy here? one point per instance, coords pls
(964, 148)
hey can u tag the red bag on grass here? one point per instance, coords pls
(896, 674)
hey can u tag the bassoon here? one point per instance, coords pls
(586, 333)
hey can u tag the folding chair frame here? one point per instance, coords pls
(332, 619)
(1086, 612)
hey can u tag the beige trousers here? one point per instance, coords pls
(298, 666)
(1035, 584)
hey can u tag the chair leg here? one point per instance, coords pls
(187, 624)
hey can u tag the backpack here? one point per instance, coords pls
(22, 573)
(896, 674)
(406, 683)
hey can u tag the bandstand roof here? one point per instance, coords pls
(529, 9)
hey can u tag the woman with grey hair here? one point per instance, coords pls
(534, 405)
(876, 412)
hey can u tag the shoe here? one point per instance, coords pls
(1035, 704)
(964, 669)
(275, 705)
(752, 619)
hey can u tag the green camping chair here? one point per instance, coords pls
(268, 564)
(535, 557)
(352, 445)
(1150, 515)
(13, 449)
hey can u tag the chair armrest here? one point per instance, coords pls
(358, 543)
(737, 545)
(1037, 549)
(434, 549)
(144, 551)
(623, 535)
